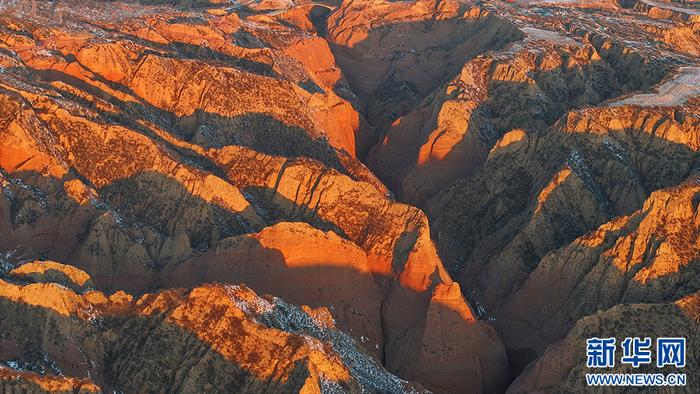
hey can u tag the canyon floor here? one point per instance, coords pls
(362, 196)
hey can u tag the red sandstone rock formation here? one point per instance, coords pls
(165, 154)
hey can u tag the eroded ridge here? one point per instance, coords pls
(163, 164)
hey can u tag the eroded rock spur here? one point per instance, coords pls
(330, 196)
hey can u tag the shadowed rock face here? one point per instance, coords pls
(155, 148)
(30, 382)
(215, 338)
(186, 156)
(650, 256)
(389, 50)
(560, 366)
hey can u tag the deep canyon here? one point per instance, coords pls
(283, 196)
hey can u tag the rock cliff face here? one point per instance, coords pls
(561, 367)
(649, 256)
(217, 337)
(176, 177)
(154, 148)
(389, 50)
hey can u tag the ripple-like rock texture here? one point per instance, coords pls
(343, 196)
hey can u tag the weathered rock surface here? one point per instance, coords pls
(216, 338)
(649, 256)
(172, 152)
(395, 53)
(153, 148)
(14, 381)
(53, 272)
(528, 85)
(564, 364)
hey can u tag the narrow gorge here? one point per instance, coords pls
(213, 196)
